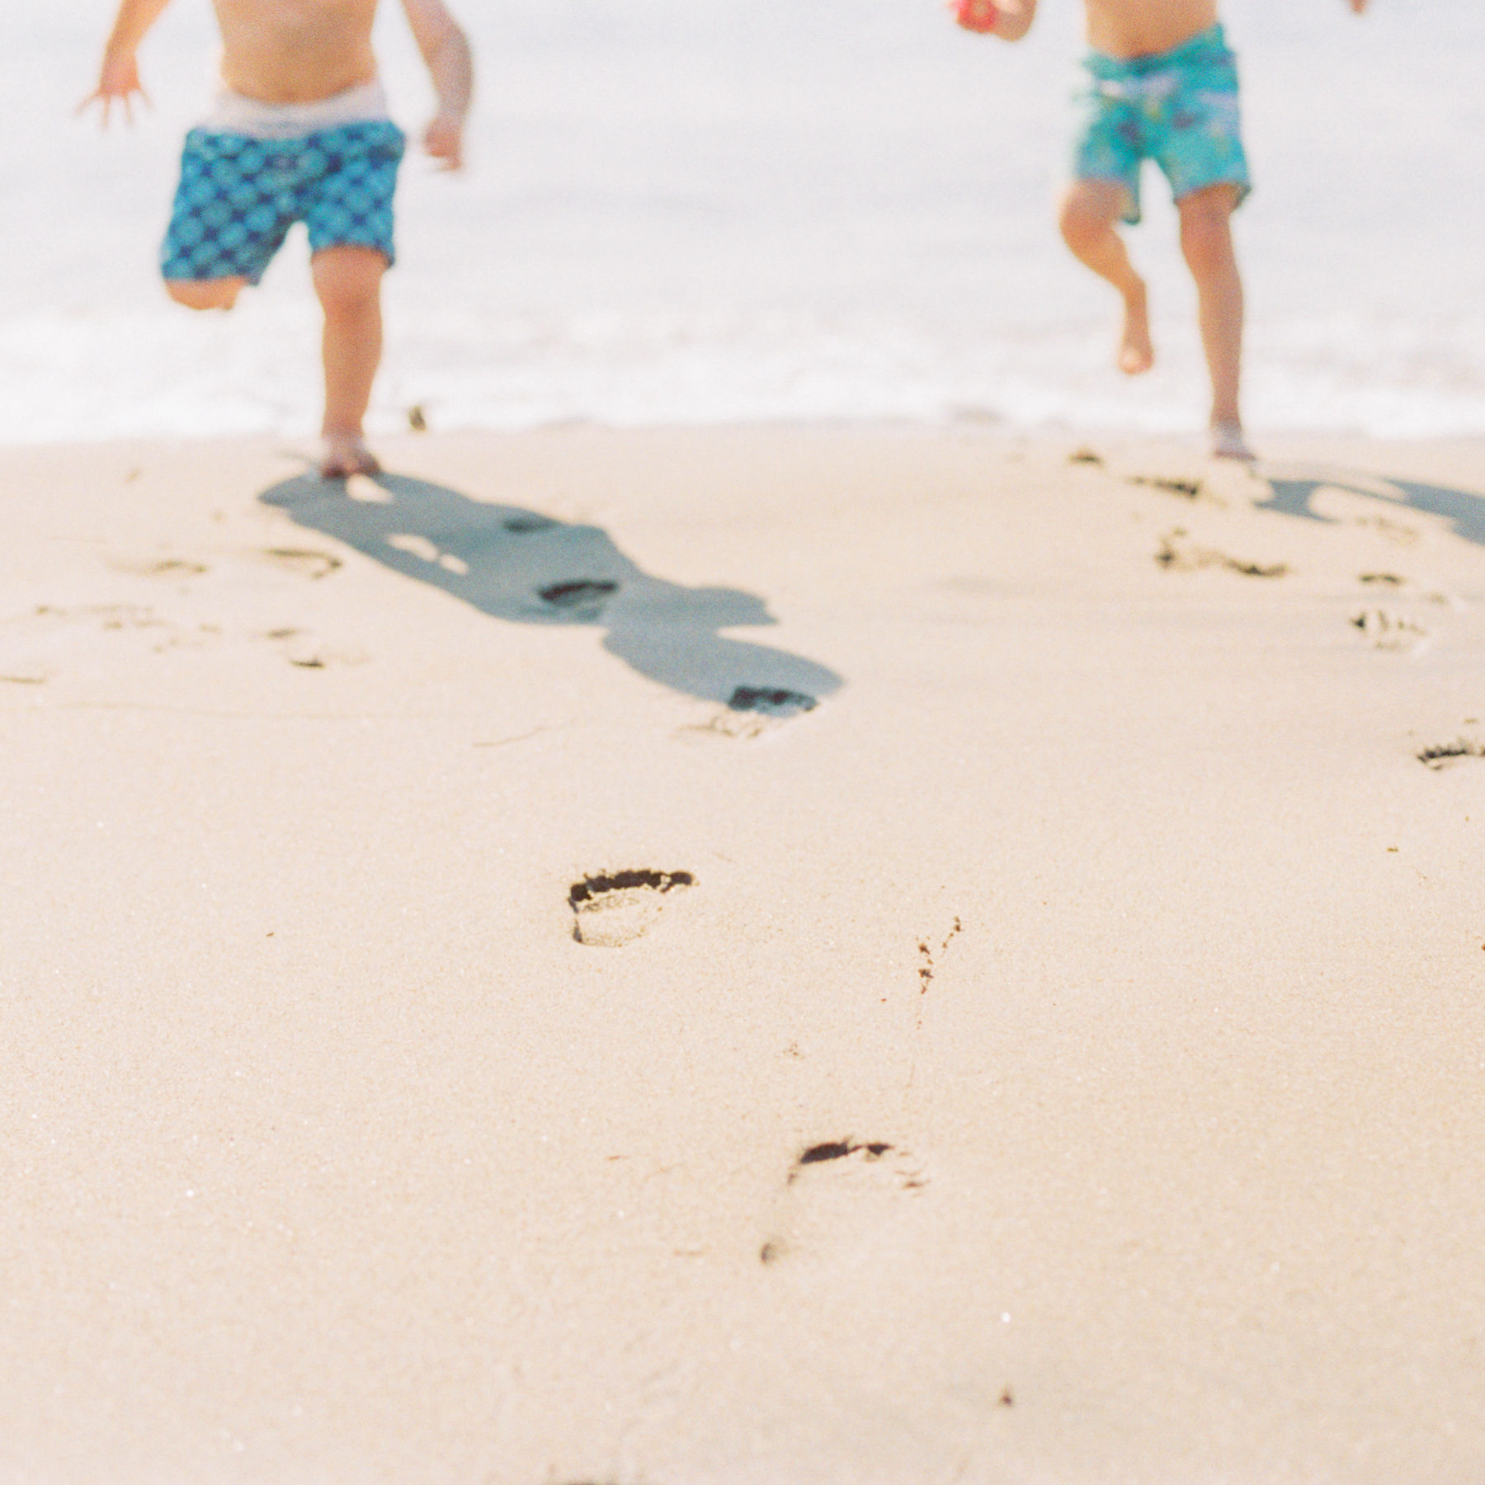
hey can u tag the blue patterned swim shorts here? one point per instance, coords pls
(239, 195)
(1178, 108)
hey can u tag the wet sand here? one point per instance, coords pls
(743, 956)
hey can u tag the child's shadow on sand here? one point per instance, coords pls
(1290, 494)
(522, 566)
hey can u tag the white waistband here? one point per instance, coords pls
(232, 113)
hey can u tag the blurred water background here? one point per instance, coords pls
(683, 211)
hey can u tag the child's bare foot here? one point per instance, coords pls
(1136, 353)
(345, 454)
(1228, 441)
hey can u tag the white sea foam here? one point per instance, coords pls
(715, 211)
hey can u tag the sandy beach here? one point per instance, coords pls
(743, 957)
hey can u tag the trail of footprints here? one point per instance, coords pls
(834, 1187)
(33, 646)
(1385, 628)
(1382, 625)
(750, 710)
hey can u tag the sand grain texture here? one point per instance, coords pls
(1112, 924)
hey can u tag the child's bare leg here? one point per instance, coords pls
(348, 282)
(205, 293)
(1206, 242)
(1089, 211)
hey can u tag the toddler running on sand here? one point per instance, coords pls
(299, 132)
(1162, 86)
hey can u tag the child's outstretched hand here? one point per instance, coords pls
(117, 83)
(981, 15)
(443, 139)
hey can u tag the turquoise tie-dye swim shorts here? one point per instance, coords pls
(239, 195)
(1178, 108)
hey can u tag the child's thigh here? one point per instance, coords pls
(228, 218)
(350, 203)
(1109, 146)
(1200, 142)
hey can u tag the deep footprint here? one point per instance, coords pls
(771, 702)
(613, 909)
(836, 1150)
(583, 594)
(1441, 755)
(848, 1153)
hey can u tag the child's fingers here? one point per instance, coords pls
(105, 99)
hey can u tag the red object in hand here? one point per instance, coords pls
(976, 15)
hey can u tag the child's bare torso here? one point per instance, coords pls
(1136, 28)
(295, 51)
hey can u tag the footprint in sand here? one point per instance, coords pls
(1441, 755)
(108, 616)
(165, 567)
(112, 618)
(304, 561)
(582, 598)
(1390, 631)
(1179, 554)
(839, 1190)
(30, 643)
(1394, 531)
(305, 652)
(615, 908)
(753, 710)
(769, 701)
(1186, 489)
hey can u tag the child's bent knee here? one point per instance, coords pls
(1089, 212)
(1082, 228)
